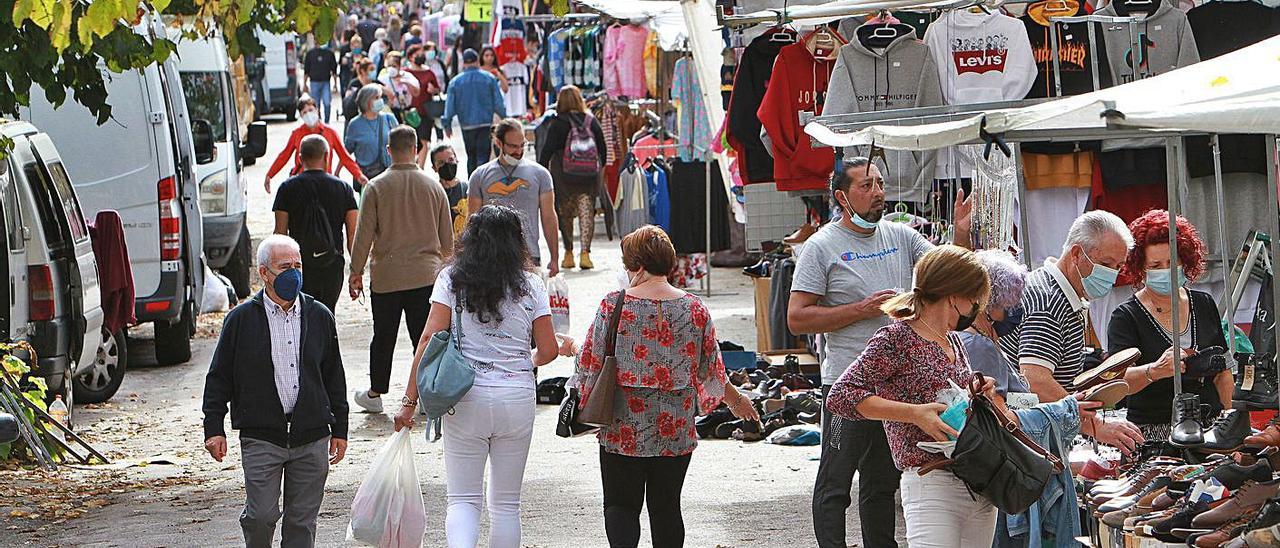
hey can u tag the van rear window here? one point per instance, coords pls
(51, 218)
(67, 199)
(204, 100)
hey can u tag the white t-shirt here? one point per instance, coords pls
(517, 88)
(500, 352)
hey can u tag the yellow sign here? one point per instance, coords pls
(478, 10)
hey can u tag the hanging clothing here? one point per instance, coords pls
(632, 205)
(694, 127)
(624, 61)
(902, 75)
(981, 58)
(1200, 205)
(1052, 210)
(659, 196)
(749, 84)
(1075, 54)
(557, 48)
(517, 95)
(651, 54)
(798, 84)
(610, 76)
(688, 186)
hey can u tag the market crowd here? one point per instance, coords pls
(902, 322)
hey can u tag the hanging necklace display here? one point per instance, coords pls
(995, 185)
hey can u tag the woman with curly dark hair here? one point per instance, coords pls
(503, 310)
(1145, 322)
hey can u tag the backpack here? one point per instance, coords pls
(320, 246)
(580, 154)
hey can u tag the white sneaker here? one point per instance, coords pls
(370, 405)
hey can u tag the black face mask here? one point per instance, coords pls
(448, 171)
(420, 60)
(966, 320)
(1012, 319)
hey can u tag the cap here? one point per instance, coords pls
(470, 56)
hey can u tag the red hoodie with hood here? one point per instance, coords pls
(798, 84)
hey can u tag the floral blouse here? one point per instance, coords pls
(900, 365)
(669, 371)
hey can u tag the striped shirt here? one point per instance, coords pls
(286, 340)
(1052, 331)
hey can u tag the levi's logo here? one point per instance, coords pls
(980, 54)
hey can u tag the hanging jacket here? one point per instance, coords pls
(903, 76)
(798, 84)
(1055, 514)
(749, 84)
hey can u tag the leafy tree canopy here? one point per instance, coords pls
(59, 45)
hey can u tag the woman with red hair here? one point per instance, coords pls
(1145, 322)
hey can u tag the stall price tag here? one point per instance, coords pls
(478, 11)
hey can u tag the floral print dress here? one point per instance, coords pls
(669, 371)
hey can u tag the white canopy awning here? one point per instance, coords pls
(665, 17)
(1236, 93)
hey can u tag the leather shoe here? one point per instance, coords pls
(1110, 369)
(1247, 500)
(1228, 432)
(1187, 430)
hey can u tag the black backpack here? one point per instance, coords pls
(320, 246)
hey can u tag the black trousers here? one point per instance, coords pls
(630, 482)
(849, 447)
(479, 145)
(324, 283)
(414, 304)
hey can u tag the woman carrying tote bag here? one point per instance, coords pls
(668, 371)
(504, 311)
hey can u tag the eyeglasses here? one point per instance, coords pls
(515, 146)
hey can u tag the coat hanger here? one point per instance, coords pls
(822, 43)
(880, 34)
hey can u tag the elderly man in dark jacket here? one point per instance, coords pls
(277, 364)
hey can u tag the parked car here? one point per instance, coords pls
(210, 97)
(142, 163)
(273, 75)
(54, 295)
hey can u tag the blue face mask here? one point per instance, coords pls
(1099, 282)
(288, 284)
(378, 105)
(1158, 280)
(1012, 319)
(857, 220)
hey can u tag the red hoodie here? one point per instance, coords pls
(796, 76)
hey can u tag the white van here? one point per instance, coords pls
(275, 74)
(55, 298)
(210, 96)
(141, 163)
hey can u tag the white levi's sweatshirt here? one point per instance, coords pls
(981, 58)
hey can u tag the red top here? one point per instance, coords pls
(335, 145)
(900, 365)
(798, 81)
(426, 78)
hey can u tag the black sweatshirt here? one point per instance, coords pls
(243, 375)
(748, 91)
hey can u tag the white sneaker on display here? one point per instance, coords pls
(370, 404)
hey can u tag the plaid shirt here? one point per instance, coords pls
(286, 344)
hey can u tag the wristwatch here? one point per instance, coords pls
(406, 402)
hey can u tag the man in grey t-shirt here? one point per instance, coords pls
(520, 184)
(844, 273)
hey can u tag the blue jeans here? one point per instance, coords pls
(479, 144)
(321, 92)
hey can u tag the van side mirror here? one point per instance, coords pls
(255, 145)
(202, 136)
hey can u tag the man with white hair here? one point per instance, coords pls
(287, 393)
(1048, 345)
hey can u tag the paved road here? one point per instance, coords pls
(737, 494)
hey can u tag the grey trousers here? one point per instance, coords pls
(304, 471)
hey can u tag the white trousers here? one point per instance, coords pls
(940, 513)
(490, 425)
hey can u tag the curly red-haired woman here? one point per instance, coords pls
(1145, 322)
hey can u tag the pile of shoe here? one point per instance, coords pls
(1222, 501)
(781, 394)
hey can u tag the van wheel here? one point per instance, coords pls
(101, 381)
(237, 269)
(173, 340)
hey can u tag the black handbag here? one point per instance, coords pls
(996, 459)
(567, 425)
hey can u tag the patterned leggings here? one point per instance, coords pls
(580, 205)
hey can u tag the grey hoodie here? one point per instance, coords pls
(1169, 45)
(904, 76)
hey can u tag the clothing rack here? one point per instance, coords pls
(546, 18)
(847, 8)
(706, 280)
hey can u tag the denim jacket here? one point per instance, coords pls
(474, 97)
(1053, 426)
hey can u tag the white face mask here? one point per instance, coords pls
(509, 159)
(311, 118)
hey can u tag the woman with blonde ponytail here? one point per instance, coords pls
(897, 380)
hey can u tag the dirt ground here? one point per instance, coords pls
(164, 490)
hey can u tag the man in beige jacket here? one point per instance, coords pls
(406, 233)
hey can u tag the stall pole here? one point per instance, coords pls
(1023, 232)
(1222, 245)
(707, 234)
(1271, 206)
(1173, 158)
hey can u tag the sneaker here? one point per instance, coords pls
(370, 404)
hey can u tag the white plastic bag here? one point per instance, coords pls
(215, 293)
(558, 292)
(388, 509)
